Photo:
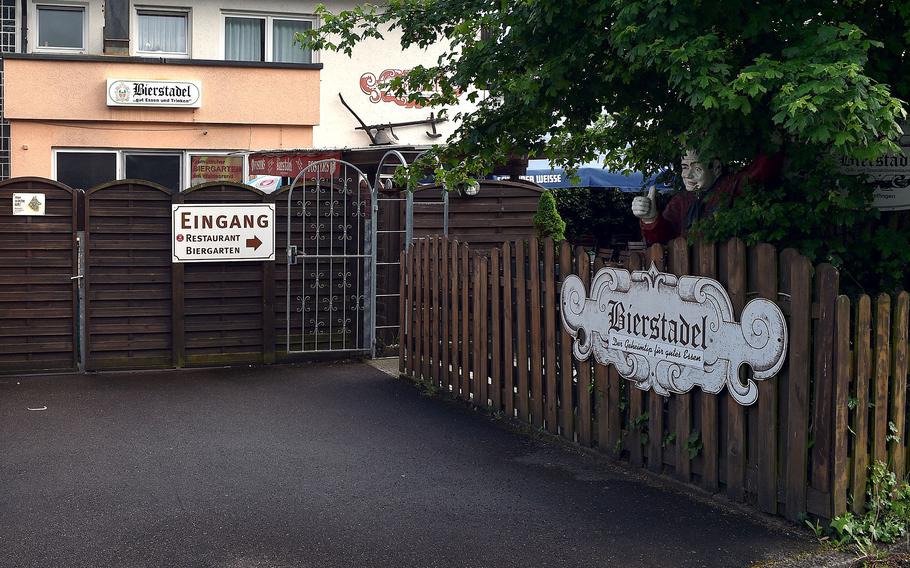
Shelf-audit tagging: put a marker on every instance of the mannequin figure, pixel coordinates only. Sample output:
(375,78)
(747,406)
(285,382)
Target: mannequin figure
(707,187)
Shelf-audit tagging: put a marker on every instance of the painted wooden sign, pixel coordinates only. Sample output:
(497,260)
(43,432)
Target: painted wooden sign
(671,334)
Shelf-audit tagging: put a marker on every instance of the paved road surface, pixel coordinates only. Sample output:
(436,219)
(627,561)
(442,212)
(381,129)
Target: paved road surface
(322,465)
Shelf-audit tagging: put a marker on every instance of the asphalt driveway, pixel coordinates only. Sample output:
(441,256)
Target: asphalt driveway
(323,465)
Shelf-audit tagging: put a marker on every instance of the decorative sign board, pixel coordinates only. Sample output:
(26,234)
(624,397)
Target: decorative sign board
(291,164)
(222,232)
(671,333)
(28,204)
(888,175)
(215,168)
(179,94)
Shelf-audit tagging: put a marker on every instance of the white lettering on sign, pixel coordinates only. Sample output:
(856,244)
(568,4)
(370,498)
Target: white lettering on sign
(671,334)
(222,232)
(123,92)
(29,204)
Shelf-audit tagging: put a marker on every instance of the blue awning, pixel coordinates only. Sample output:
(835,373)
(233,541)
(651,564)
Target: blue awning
(592,177)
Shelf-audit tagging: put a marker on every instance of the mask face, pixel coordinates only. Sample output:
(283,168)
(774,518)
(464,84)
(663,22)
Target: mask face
(696,175)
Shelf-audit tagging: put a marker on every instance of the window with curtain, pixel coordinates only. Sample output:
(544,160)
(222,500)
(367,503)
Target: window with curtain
(244,39)
(284,49)
(61,27)
(162,32)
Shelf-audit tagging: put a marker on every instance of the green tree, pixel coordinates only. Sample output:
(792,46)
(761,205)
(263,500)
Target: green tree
(547,221)
(637,80)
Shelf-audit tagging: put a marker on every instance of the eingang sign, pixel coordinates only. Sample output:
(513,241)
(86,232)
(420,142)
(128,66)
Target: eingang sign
(222,232)
(179,94)
(671,333)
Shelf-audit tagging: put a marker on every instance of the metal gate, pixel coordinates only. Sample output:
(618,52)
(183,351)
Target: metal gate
(331,274)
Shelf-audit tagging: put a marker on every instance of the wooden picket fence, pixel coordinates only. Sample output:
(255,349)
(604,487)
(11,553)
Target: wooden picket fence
(487,328)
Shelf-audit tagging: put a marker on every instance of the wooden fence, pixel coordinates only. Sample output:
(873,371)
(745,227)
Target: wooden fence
(487,329)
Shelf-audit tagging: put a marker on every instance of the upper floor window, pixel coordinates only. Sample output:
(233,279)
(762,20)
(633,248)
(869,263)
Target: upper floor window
(162,32)
(61,27)
(265,38)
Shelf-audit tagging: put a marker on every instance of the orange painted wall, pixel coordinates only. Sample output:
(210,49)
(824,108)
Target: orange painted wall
(75,90)
(32,141)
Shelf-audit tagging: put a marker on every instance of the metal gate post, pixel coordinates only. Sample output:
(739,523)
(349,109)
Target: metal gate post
(80,298)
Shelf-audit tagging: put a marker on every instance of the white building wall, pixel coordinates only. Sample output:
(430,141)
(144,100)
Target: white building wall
(341,74)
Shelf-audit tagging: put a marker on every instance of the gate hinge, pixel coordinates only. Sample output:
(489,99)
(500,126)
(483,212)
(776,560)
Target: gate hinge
(292,254)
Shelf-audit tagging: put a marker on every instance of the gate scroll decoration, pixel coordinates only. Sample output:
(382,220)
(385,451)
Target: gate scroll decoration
(671,334)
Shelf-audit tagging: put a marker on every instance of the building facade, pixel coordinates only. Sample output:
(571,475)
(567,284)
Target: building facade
(182,93)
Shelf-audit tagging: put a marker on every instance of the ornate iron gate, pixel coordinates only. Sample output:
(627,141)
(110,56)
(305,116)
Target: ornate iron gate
(331,236)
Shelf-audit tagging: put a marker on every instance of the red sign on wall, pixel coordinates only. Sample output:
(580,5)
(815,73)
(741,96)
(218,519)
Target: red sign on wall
(289,165)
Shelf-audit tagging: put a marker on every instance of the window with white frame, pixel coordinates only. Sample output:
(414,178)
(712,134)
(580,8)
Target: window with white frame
(162,32)
(250,37)
(60,27)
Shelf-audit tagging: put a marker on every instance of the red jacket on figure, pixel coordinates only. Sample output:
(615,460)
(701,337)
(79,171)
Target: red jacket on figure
(677,217)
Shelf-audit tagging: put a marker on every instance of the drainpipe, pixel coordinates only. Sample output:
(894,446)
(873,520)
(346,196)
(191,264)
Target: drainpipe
(117,27)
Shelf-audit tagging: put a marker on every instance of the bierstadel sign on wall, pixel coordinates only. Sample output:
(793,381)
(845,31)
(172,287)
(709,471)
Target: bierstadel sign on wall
(149,93)
(672,333)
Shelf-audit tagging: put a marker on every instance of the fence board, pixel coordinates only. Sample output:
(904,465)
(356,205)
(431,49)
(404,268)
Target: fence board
(508,330)
(583,392)
(798,384)
(882,372)
(521,330)
(419,313)
(679,265)
(483,337)
(655,401)
(710,423)
(434,335)
(454,375)
(862,347)
(536,396)
(766,280)
(496,362)
(823,432)
(476,350)
(446,309)
(403,306)
(550,323)
(601,391)
(566,405)
(840,460)
(426,251)
(899,383)
(412,311)
(465,323)
(736,416)
(637,406)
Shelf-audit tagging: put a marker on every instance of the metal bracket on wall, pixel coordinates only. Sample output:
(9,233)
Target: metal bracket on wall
(373,130)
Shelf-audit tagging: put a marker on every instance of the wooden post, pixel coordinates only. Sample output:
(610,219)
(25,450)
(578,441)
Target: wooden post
(736,415)
(797,452)
(882,371)
(840,460)
(583,266)
(521,330)
(496,362)
(766,270)
(508,387)
(679,265)
(899,383)
(655,401)
(536,397)
(550,330)
(824,433)
(862,347)
(566,403)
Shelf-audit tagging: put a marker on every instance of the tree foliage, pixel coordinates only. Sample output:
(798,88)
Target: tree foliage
(637,80)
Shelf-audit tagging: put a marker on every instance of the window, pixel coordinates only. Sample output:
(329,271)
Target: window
(162,32)
(84,170)
(163,169)
(61,28)
(265,38)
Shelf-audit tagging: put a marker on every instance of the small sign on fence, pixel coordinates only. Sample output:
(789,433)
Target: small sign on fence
(28,204)
(671,334)
(222,232)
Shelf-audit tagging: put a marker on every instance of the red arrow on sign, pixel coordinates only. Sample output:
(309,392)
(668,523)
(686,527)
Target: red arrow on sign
(253,243)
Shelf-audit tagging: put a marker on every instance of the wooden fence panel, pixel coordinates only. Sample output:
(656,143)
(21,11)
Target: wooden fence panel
(637,408)
(823,430)
(882,360)
(521,331)
(483,337)
(477,374)
(402,313)
(840,459)
(898,411)
(456,338)
(446,308)
(464,255)
(128,289)
(766,272)
(708,404)
(496,361)
(655,401)
(38,261)
(435,336)
(583,387)
(679,264)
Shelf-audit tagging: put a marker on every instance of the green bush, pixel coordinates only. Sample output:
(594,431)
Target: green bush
(547,221)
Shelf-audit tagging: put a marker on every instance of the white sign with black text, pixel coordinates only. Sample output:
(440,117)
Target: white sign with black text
(671,334)
(29,204)
(129,93)
(222,232)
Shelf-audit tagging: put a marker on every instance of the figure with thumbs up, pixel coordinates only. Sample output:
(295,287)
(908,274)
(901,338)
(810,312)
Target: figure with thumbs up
(707,187)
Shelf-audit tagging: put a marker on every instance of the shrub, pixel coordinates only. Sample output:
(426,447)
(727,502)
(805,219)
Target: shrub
(547,221)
